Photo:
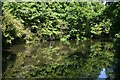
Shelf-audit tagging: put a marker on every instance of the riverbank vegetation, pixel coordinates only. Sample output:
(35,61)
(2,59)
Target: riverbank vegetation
(35,21)
(63,39)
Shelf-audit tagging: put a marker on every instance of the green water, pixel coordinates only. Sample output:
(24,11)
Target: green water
(54,59)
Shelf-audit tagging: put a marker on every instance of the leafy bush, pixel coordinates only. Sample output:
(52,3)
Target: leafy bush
(57,20)
(61,20)
(12,29)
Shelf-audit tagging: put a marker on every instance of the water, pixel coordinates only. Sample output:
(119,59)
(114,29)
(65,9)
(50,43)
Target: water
(54,59)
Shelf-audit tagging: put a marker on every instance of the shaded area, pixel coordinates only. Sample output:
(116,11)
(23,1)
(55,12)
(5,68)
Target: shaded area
(117,56)
(7,59)
(112,12)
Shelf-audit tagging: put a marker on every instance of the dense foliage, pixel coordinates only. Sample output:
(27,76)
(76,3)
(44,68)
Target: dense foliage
(36,21)
(112,12)
(59,20)
(11,28)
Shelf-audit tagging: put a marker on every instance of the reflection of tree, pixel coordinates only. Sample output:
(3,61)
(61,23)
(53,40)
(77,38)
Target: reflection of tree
(81,62)
(117,56)
(62,60)
(8,59)
(99,57)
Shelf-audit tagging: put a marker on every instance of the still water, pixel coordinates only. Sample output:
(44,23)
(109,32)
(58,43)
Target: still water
(54,59)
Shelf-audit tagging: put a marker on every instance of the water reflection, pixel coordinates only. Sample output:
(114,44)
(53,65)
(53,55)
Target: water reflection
(117,59)
(62,60)
(7,58)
